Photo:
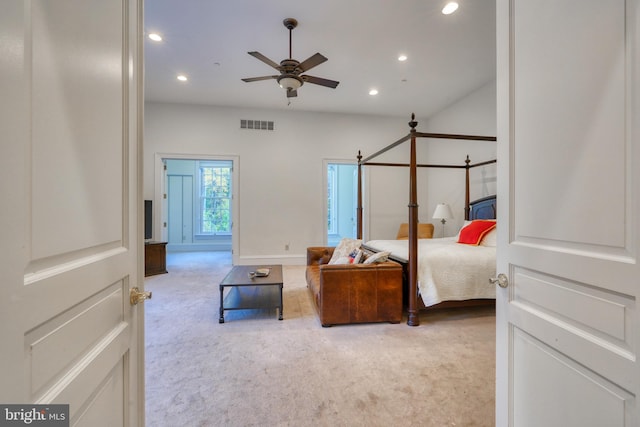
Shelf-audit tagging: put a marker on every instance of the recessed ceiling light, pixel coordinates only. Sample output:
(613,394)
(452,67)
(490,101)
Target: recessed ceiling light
(402,58)
(373,92)
(155,37)
(182,77)
(450,8)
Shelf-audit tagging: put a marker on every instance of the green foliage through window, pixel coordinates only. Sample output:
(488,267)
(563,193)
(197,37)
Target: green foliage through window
(215,198)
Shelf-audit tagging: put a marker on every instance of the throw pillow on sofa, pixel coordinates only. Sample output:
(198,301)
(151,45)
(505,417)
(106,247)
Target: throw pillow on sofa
(377,257)
(344,248)
(353,258)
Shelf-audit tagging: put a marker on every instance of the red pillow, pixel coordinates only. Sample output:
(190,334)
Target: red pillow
(473,233)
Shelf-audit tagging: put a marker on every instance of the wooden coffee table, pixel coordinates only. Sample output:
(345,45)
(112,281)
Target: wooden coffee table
(247,292)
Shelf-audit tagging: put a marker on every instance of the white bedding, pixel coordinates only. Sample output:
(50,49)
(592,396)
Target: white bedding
(447,270)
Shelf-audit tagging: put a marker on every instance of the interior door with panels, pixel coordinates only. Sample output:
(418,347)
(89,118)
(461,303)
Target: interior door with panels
(569,212)
(180,203)
(71,114)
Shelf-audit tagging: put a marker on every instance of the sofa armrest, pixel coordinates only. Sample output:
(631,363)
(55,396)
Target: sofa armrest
(317,255)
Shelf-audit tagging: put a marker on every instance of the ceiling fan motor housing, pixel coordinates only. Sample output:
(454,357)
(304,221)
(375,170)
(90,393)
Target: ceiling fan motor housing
(290,66)
(290,79)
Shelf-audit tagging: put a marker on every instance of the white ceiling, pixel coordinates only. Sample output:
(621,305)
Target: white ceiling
(208,40)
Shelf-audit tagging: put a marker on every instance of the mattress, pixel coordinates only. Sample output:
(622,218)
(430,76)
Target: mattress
(447,270)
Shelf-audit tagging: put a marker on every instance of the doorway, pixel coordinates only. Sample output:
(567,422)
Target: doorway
(198,208)
(341,179)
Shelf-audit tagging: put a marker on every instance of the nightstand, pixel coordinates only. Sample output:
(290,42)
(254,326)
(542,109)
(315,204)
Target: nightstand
(155,258)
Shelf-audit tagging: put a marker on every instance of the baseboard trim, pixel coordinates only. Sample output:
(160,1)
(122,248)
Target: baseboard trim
(272,259)
(196,247)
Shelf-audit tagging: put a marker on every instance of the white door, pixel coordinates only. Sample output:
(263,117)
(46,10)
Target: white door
(568,326)
(71,208)
(180,202)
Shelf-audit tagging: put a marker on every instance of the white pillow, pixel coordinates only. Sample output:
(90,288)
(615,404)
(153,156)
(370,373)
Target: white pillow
(353,258)
(490,239)
(377,257)
(344,248)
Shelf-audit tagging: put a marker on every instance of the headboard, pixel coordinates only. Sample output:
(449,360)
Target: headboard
(484,208)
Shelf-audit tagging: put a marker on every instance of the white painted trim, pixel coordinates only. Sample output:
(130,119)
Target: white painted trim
(194,247)
(300,259)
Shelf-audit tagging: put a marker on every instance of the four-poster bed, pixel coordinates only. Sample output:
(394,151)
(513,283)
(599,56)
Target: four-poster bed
(483,208)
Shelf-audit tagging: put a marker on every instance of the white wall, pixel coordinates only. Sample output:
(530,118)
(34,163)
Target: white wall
(473,115)
(280,172)
(280,176)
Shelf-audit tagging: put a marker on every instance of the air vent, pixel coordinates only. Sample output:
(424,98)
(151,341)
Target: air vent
(256,124)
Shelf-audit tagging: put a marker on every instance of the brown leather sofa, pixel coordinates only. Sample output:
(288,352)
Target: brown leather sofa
(353,293)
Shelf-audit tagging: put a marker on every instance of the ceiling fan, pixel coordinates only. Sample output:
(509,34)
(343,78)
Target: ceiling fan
(291,77)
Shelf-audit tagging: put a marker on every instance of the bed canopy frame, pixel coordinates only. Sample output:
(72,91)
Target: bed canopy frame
(413,166)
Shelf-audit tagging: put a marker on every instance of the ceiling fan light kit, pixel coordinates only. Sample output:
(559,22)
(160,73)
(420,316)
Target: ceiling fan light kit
(291,70)
(290,82)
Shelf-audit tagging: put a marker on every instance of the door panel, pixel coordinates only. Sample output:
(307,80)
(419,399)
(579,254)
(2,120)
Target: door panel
(554,47)
(187,209)
(568,135)
(106,407)
(64,65)
(174,196)
(533,399)
(72,207)
(64,338)
(180,209)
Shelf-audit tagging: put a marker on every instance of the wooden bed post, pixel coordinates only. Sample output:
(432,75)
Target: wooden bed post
(413,319)
(412,262)
(466,192)
(359,207)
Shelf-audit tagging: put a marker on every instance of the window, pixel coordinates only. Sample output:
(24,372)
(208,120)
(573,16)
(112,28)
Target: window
(215,197)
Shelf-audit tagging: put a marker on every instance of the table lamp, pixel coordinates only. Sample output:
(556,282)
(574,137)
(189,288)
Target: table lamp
(443,213)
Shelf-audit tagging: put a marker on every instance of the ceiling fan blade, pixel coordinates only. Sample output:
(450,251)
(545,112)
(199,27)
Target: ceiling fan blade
(264,59)
(292,93)
(255,79)
(320,81)
(311,62)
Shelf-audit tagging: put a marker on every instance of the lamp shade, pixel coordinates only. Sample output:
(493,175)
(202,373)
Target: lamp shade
(443,211)
(289,83)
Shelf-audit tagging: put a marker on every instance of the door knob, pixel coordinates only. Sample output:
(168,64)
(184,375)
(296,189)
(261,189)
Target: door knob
(135,296)
(502,280)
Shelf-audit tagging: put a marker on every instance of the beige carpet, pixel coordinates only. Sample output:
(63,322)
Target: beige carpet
(254,370)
